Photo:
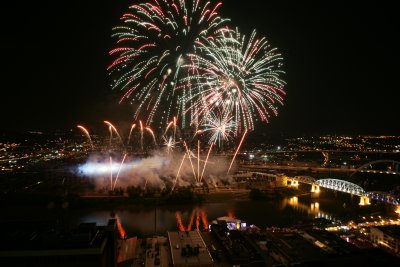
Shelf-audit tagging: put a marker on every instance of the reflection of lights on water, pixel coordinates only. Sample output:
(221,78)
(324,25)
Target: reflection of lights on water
(314,207)
(197,217)
(293,200)
(230,213)
(397,209)
(121,229)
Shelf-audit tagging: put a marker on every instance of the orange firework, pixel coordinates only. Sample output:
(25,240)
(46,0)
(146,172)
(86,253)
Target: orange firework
(130,132)
(115,130)
(86,132)
(152,134)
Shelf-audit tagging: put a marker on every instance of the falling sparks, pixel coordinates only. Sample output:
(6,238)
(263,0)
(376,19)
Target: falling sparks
(237,150)
(86,132)
(113,128)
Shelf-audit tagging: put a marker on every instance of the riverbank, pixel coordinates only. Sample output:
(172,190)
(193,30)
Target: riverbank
(182,196)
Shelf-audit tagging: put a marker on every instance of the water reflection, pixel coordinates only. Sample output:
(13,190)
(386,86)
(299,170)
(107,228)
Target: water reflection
(312,209)
(278,212)
(198,215)
(121,229)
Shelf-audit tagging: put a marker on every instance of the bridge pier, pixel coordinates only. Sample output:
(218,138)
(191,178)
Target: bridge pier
(315,190)
(282,180)
(364,201)
(293,183)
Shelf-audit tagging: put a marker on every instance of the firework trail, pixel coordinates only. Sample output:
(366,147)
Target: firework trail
(190,160)
(179,170)
(152,134)
(205,163)
(141,135)
(112,127)
(239,75)
(111,174)
(130,132)
(119,170)
(171,123)
(86,132)
(174,128)
(198,159)
(237,150)
(152,43)
(111,131)
(168,126)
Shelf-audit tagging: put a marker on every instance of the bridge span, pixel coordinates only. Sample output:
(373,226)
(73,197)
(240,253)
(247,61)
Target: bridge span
(332,184)
(345,187)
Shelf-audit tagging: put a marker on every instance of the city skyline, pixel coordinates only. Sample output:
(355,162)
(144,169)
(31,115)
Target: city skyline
(339,62)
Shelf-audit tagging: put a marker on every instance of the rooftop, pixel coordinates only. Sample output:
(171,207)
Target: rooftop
(188,249)
(45,238)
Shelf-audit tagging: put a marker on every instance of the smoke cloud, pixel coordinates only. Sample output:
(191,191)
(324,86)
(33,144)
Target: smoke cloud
(157,170)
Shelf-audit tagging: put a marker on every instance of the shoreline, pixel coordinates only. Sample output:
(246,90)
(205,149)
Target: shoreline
(75,201)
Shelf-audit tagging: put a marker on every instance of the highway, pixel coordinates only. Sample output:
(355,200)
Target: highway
(294,168)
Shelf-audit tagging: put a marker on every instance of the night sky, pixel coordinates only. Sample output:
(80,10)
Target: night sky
(341,63)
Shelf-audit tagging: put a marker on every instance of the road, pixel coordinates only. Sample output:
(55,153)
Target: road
(293,168)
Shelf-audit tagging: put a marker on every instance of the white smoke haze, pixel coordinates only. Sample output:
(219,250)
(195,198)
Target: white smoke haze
(156,170)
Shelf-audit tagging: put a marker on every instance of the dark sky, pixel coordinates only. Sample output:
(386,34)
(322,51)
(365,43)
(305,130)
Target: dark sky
(341,63)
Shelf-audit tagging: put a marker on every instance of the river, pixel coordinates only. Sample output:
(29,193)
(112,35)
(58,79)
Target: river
(280,213)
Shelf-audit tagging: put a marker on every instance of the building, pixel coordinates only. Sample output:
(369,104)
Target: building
(157,252)
(236,246)
(260,179)
(386,236)
(42,244)
(189,249)
(313,247)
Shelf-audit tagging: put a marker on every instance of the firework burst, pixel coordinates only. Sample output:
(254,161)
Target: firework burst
(241,76)
(152,44)
(221,127)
